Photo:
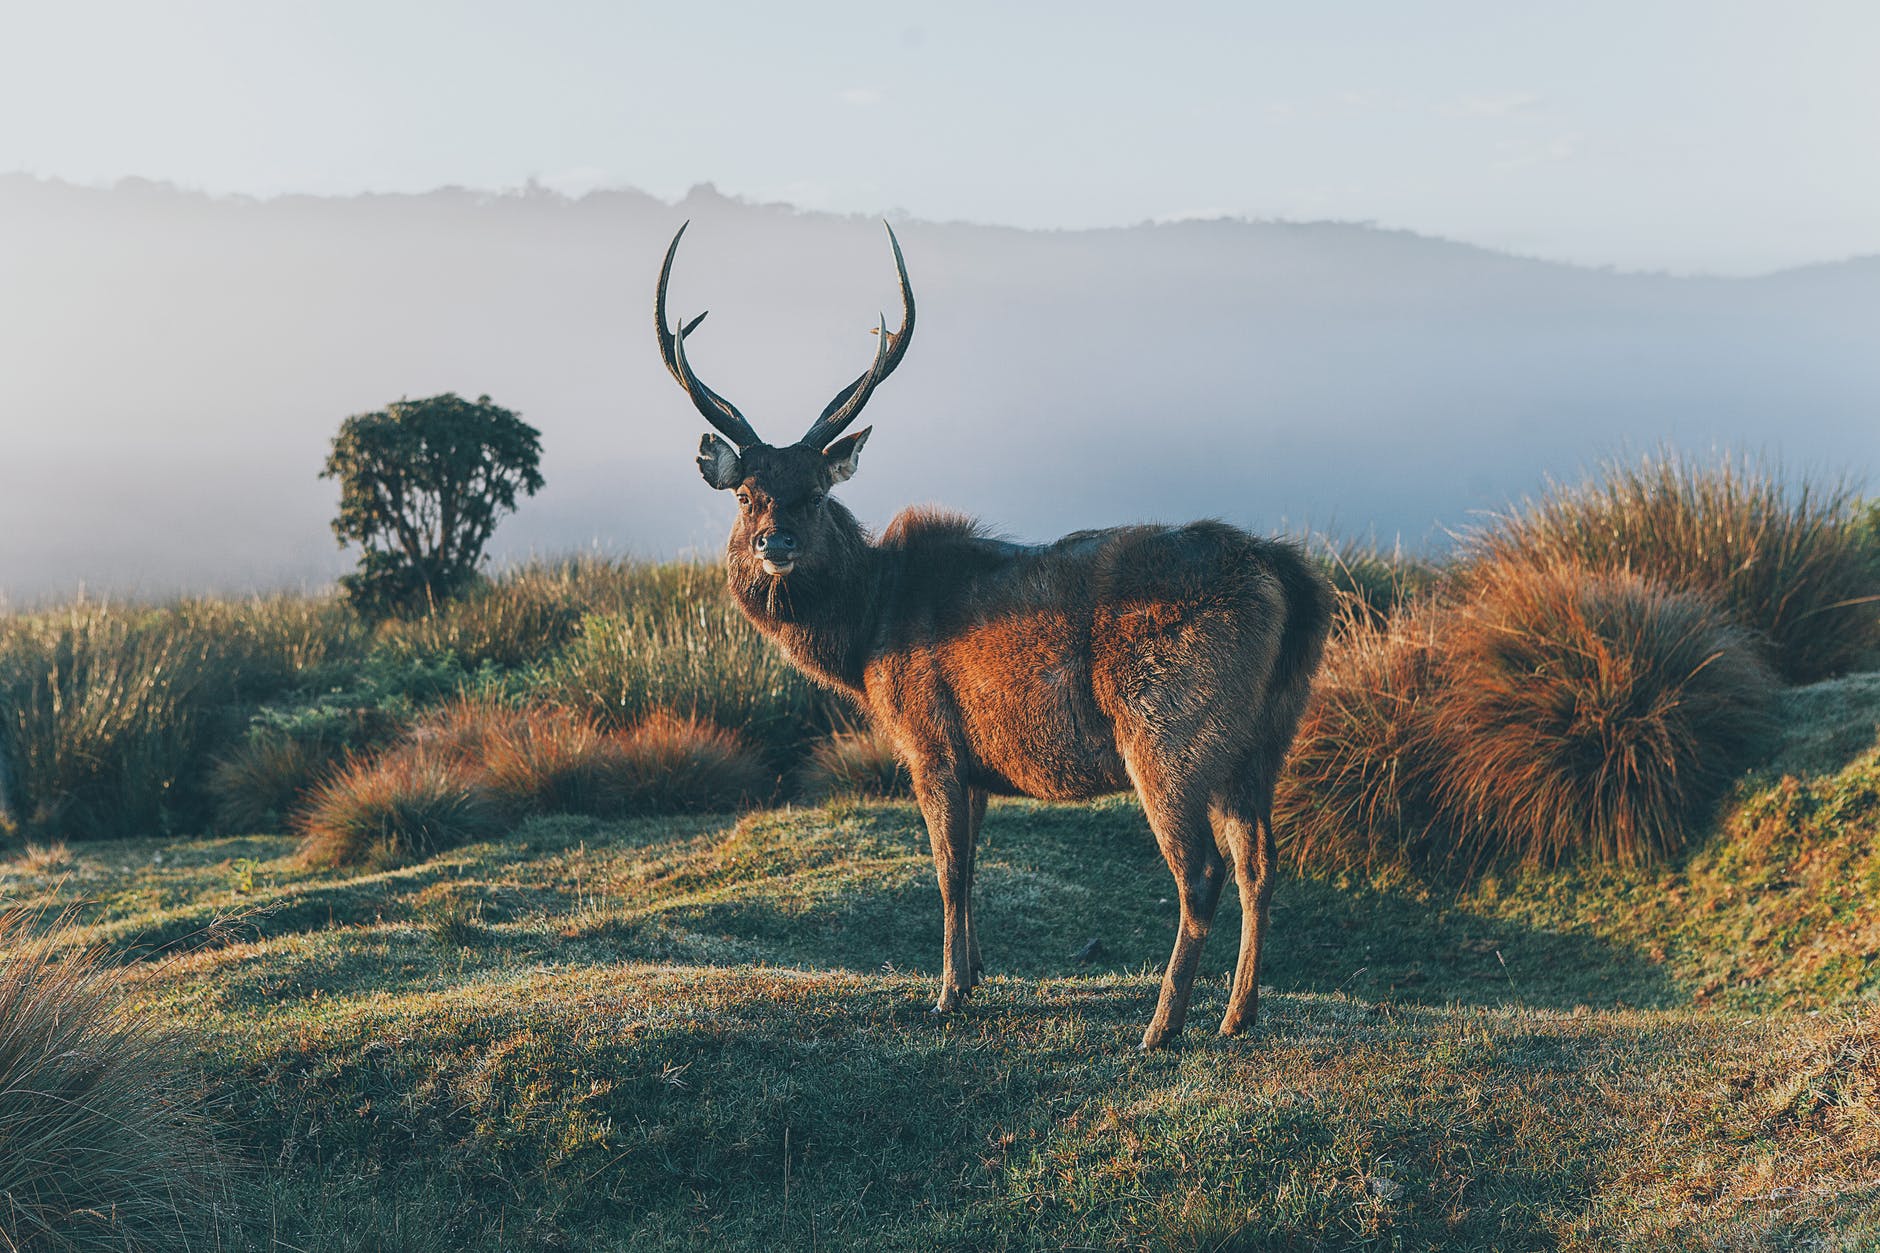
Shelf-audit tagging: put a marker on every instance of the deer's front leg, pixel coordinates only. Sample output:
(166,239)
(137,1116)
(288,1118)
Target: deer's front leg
(947,808)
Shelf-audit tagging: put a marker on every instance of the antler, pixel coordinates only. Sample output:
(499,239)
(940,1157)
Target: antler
(888,353)
(718,411)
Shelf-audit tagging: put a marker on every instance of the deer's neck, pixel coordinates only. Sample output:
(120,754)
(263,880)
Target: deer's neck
(824,616)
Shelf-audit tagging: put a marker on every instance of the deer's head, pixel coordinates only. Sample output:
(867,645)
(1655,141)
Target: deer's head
(782,492)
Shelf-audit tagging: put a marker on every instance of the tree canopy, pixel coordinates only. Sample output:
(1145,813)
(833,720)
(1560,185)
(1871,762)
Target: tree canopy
(423,484)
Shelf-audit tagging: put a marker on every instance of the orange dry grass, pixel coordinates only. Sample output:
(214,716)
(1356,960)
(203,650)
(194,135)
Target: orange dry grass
(854,763)
(688,764)
(1356,791)
(550,760)
(408,803)
(1587,713)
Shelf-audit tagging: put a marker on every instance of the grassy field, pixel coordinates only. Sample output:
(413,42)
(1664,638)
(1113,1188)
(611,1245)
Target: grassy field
(713,1032)
(444,930)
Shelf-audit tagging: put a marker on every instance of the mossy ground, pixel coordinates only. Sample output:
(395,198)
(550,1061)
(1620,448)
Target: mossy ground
(713,1031)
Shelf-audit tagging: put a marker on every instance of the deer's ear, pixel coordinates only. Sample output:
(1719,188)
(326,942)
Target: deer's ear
(718,462)
(840,456)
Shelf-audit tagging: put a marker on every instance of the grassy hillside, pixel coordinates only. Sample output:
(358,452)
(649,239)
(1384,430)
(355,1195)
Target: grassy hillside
(712,1031)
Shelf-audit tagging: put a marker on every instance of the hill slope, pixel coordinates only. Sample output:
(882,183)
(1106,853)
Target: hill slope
(713,1032)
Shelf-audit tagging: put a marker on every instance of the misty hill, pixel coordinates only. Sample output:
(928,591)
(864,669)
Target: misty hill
(172,365)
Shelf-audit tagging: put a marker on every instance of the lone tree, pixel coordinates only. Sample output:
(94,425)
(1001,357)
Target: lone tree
(422,485)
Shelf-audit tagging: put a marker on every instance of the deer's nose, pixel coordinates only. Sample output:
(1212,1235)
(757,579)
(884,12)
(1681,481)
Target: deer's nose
(776,544)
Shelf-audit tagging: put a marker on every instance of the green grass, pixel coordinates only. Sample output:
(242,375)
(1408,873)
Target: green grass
(598,1034)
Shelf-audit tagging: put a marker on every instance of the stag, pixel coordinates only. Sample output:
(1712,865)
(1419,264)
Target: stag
(1175,660)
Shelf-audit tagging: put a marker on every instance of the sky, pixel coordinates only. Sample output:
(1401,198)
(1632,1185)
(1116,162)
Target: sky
(1691,137)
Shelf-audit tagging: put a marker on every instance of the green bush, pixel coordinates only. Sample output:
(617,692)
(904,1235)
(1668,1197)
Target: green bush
(699,658)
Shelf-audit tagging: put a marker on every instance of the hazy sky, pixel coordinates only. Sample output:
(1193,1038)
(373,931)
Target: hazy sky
(1703,136)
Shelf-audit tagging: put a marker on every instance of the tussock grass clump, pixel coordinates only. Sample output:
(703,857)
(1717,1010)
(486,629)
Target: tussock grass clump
(108,715)
(101,1143)
(700,657)
(854,763)
(1356,791)
(403,805)
(47,859)
(520,618)
(103,710)
(682,764)
(549,761)
(1586,713)
(543,759)
(1791,562)
(260,784)
(1373,583)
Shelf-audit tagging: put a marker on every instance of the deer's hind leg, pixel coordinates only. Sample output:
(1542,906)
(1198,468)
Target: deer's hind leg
(975,815)
(1243,824)
(1178,814)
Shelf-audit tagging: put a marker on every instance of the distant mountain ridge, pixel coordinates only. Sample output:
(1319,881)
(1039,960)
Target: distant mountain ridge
(172,364)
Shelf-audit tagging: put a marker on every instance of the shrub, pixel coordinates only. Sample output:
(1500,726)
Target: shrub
(1579,712)
(1790,562)
(101,1143)
(422,484)
(404,805)
(854,763)
(1356,791)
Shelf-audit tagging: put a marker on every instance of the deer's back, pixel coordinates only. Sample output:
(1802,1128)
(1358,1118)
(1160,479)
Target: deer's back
(1038,669)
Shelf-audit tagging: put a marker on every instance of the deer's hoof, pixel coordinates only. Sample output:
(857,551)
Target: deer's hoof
(950,1000)
(1156,1038)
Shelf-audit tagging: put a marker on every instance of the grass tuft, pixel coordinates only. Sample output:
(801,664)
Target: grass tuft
(1794,562)
(47,859)
(101,1144)
(404,805)
(260,784)
(681,764)
(1356,791)
(1583,713)
(854,763)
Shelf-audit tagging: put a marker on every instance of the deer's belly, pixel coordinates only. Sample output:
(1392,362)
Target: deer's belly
(1037,731)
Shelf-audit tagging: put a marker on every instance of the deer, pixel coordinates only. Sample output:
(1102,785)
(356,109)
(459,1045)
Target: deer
(1173,660)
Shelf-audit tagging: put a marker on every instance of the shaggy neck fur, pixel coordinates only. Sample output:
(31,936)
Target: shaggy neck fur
(824,612)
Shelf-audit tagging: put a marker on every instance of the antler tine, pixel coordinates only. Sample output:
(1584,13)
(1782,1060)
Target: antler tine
(718,411)
(888,353)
